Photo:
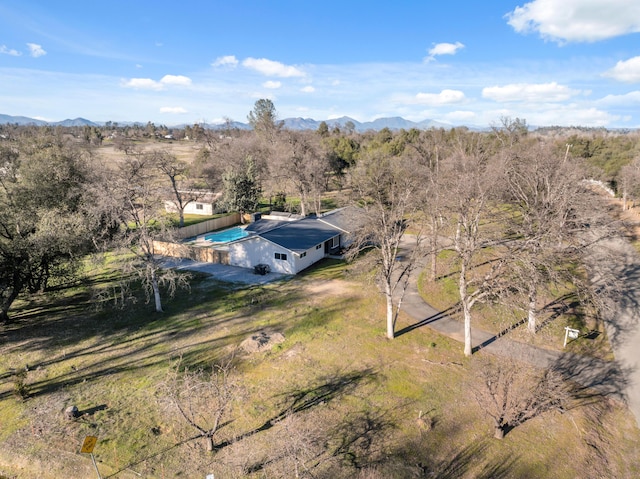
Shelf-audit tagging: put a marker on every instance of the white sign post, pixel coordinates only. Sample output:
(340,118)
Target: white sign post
(570,334)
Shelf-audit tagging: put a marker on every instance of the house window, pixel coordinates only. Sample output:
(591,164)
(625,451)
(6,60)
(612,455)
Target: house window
(281,256)
(302,255)
(319,246)
(199,206)
(335,242)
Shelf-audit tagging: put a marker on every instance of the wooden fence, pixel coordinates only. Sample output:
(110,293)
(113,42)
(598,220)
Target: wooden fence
(206,226)
(197,253)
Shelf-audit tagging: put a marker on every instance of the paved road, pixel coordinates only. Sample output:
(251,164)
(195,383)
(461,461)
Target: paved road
(616,267)
(619,379)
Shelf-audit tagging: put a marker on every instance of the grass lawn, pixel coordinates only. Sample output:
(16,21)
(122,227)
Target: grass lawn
(335,399)
(443,294)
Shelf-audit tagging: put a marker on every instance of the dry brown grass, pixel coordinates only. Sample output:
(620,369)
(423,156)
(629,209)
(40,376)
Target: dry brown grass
(183,150)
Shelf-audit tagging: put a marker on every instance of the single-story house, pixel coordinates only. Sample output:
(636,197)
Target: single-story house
(290,245)
(202,203)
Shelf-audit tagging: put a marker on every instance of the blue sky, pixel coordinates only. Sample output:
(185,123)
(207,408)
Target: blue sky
(551,62)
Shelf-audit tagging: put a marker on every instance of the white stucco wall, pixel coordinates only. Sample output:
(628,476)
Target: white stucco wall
(252,251)
(191,208)
(313,256)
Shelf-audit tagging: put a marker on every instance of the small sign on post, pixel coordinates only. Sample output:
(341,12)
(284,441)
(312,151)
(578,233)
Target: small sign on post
(570,333)
(87,448)
(88,444)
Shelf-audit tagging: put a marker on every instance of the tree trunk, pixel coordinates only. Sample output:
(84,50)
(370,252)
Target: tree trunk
(209,443)
(434,253)
(4,316)
(498,432)
(532,312)
(181,211)
(303,206)
(389,297)
(6,300)
(466,310)
(156,292)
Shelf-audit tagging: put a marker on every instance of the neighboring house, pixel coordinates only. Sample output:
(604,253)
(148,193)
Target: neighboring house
(289,246)
(204,203)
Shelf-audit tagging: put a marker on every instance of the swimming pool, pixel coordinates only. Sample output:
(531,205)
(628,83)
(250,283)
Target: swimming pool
(226,236)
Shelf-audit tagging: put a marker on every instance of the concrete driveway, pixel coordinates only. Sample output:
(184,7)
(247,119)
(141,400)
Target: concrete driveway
(222,272)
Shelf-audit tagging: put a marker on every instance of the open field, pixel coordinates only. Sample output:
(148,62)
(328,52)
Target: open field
(183,150)
(335,395)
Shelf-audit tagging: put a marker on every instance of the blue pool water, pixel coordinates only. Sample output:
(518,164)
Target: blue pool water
(226,236)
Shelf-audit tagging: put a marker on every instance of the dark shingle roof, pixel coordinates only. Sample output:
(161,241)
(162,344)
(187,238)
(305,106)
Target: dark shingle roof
(347,219)
(302,235)
(263,225)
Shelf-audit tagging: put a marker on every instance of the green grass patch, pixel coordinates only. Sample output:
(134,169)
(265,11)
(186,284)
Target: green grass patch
(335,378)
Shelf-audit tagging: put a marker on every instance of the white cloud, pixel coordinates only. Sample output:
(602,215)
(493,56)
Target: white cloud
(179,80)
(308,89)
(571,115)
(529,92)
(9,51)
(227,60)
(445,97)
(150,84)
(627,71)
(272,68)
(272,85)
(173,109)
(444,49)
(577,20)
(142,84)
(36,50)
(625,100)
(460,115)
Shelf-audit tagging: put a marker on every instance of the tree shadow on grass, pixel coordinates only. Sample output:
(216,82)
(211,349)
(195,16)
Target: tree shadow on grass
(593,379)
(300,400)
(427,458)
(295,402)
(119,340)
(431,319)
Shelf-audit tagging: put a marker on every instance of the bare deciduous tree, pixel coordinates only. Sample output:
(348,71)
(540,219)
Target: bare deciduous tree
(430,151)
(511,393)
(472,185)
(386,189)
(130,197)
(629,183)
(549,204)
(183,189)
(306,165)
(201,399)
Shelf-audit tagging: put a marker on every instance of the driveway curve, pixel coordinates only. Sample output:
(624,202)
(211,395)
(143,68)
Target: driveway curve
(619,379)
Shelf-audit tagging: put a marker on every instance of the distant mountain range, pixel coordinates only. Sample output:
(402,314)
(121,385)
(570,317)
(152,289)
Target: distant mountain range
(394,123)
(23,120)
